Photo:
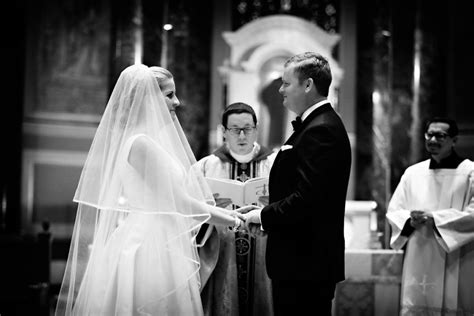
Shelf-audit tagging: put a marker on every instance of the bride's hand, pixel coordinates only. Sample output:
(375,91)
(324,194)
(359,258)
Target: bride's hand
(247,208)
(235,213)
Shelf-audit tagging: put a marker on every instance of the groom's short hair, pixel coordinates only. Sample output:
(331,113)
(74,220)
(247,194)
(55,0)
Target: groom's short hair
(237,108)
(315,66)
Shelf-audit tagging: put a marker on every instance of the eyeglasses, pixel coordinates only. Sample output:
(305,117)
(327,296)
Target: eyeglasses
(237,130)
(438,136)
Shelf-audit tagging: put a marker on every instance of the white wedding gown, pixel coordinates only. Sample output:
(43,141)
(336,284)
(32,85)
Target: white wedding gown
(143,263)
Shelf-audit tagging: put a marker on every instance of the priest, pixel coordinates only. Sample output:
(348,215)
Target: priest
(234,280)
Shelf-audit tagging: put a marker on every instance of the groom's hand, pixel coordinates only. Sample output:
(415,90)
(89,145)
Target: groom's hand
(253,217)
(255,230)
(252,222)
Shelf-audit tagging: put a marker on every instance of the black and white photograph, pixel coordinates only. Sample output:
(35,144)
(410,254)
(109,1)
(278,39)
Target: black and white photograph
(237,158)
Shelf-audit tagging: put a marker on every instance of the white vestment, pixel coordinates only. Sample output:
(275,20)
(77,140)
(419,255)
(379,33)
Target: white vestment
(234,264)
(438,270)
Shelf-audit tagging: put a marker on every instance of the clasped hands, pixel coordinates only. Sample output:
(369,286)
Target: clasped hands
(250,219)
(419,218)
(248,215)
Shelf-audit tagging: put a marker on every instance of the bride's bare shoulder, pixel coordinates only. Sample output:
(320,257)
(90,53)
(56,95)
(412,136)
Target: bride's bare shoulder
(144,147)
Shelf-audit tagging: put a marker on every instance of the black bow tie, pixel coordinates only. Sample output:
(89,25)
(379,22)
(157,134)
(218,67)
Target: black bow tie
(297,122)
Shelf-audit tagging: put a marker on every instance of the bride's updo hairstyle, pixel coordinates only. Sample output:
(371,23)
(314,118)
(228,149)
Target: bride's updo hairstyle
(161,74)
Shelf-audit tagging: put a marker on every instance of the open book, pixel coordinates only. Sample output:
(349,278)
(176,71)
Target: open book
(241,193)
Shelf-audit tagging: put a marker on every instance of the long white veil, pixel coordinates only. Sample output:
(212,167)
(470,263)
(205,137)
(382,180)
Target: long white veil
(133,246)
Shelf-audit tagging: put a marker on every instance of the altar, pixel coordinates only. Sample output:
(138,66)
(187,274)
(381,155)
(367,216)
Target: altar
(373,275)
(372,285)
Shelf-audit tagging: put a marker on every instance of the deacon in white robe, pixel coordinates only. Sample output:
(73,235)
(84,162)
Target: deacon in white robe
(431,214)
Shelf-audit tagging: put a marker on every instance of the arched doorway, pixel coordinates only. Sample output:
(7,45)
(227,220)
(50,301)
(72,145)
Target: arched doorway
(258,51)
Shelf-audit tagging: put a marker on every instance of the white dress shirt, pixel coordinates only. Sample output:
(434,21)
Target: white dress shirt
(312,108)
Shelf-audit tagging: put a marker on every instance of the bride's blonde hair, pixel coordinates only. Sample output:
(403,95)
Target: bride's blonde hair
(161,74)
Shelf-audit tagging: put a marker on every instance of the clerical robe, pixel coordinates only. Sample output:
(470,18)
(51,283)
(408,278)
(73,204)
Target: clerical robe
(438,269)
(233,274)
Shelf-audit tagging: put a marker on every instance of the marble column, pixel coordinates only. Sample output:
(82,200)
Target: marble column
(125,21)
(419,80)
(382,101)
(432,25)
(189,60)
(405,91)
(12,114)
(402,72)
(374,104)
(185,50)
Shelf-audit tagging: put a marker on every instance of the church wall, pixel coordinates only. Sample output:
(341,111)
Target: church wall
(219,52)
(189,59)
(411,65)
(75,52)
(12,115)
(72,53)
(460,68)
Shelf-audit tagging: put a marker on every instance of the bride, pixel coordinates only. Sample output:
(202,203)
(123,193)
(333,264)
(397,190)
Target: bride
(140,205)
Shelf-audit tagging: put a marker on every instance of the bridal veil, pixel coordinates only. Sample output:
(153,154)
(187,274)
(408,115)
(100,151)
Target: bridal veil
(133,249)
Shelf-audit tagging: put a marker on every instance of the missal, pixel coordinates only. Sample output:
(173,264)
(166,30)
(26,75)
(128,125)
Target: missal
(241,193)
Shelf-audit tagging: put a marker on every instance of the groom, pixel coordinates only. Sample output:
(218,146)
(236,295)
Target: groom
(304,219)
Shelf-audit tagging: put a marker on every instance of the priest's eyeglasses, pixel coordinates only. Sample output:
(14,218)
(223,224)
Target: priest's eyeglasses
(438,136)
(237,130)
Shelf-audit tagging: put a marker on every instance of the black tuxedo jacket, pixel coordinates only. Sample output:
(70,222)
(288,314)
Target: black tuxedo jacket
(305,216)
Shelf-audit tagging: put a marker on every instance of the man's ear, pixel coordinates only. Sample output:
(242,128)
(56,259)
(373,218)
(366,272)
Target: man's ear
(455,139)
(309,83)
(222,129)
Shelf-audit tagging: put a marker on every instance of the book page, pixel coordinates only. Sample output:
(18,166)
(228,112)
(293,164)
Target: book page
(241,193)
(254,188)
(227,188)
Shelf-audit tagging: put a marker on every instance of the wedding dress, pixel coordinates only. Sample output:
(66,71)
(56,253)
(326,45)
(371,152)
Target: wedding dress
(133,249)
(147,265)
